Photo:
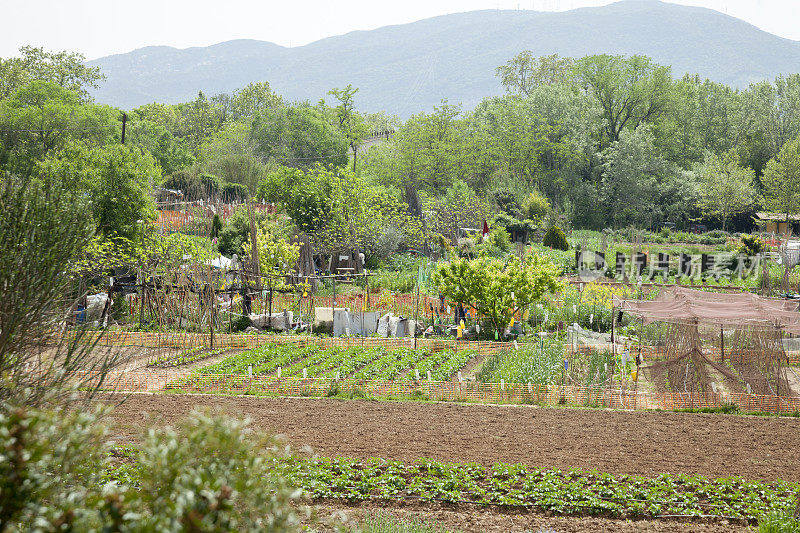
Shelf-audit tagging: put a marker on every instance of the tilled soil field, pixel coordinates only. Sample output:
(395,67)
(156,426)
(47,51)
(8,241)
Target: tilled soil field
(619,442)
(472,518)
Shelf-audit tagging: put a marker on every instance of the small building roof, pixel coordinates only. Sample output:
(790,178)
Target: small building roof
(777,217)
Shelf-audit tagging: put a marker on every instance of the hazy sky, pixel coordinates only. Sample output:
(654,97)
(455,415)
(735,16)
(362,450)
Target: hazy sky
(102,27)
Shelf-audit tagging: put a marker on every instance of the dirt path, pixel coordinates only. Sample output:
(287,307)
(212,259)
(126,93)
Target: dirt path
(620,442)
(471,519)
(472,367)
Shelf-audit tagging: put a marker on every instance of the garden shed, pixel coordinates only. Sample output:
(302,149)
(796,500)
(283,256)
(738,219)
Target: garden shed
(346,262)
(777,223)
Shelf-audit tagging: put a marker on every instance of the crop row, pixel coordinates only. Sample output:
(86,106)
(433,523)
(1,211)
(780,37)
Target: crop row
(570,492)
(371,363)
(184,357)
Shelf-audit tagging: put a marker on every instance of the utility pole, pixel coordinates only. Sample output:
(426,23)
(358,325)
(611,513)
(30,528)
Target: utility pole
(124,120)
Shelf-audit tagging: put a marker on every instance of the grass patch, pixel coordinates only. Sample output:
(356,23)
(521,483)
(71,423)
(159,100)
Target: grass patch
(383,522)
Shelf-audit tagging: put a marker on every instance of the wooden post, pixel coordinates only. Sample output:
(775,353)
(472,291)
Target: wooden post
(722,341)
(613,320)
(416,310)
(364,305)
(254,244)
(212,299)
(269,284)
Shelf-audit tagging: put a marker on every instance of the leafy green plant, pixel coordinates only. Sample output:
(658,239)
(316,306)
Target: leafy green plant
(535,207)
(558,492)
(539,363)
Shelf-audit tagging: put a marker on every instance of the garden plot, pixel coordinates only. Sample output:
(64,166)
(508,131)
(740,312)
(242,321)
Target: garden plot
(617,442)
(332,363)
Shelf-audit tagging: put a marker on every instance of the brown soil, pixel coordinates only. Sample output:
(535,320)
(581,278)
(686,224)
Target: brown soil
(477,519)
(619,442)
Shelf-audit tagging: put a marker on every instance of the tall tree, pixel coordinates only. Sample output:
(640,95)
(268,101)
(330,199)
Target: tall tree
(349,121)
(781,180)
(116,178)
(41,117)
(726,188)
(65,69)
(631,90)
(247,102)
(769,118)
(632,171)
(299,136)
(525,72)
(428,154)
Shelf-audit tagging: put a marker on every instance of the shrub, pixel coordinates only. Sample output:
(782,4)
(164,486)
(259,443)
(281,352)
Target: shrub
(216,226)
(234,192)
(211,475)
(496,288)
(555,239)
(506,200)
(45,237)
(535,206)
(751,245)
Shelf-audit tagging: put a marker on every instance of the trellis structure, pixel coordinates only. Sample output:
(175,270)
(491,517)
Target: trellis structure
(699,342)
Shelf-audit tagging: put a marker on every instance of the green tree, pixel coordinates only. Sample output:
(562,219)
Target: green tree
(200,119)
(726,188)
(299,136)
(276,255)
(65,69)
(117,179)
(171,153)
(42,117)
(252,99)
(428,154)
(349,121)
(518,140)
(771,114)
(497,289)
(632,172)
(782,180)
(232,154)
(525,72)
(630,90)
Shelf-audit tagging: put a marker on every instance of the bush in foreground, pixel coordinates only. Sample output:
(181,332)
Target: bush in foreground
(210,475)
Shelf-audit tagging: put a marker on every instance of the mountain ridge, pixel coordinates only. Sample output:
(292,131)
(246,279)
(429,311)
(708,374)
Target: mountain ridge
(408,68)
